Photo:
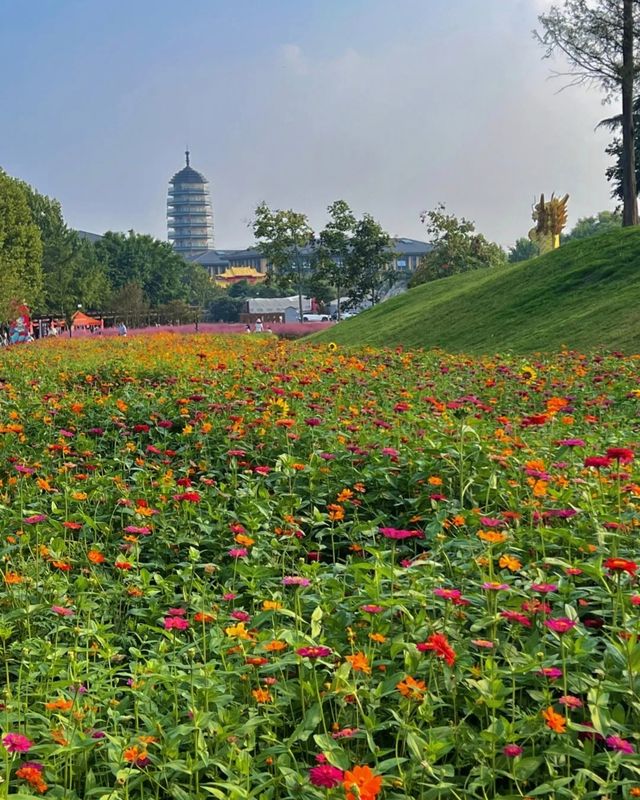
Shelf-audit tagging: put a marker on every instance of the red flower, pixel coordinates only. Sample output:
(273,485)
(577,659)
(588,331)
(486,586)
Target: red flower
(621,565)
(621,454)
(439,644)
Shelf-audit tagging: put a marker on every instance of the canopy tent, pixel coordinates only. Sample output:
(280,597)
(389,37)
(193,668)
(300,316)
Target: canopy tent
(82,320)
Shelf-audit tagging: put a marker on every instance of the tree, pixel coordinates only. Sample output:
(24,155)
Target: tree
(150,263)
(130,303)
(72,274)
(226,308)
(20,249)
(334,247)
(597,39)
(523,250)
(586,227)
(368,262)
(282,235)
(456,248)
(615,172)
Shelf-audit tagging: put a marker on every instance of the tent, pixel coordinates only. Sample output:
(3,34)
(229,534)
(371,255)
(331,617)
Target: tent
(81,320)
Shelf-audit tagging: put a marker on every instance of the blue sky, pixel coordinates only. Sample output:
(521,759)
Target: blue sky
(393,105)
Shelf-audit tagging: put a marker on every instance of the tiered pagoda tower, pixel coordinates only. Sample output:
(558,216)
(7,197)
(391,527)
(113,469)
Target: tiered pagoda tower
(189,212)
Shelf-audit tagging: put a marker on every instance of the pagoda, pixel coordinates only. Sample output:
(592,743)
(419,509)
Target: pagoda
(189,212)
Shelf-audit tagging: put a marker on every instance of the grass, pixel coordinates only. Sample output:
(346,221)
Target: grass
(585,295)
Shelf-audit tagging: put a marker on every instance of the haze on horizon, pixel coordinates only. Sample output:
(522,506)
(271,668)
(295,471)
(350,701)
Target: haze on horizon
(392,105)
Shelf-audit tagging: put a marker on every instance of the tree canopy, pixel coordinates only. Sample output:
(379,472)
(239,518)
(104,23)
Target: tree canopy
(456,248)
(20,249)
(598,39)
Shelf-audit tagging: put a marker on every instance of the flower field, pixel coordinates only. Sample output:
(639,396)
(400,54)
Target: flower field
(248,569)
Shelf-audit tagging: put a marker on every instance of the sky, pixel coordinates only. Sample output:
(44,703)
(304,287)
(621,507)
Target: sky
(391,105)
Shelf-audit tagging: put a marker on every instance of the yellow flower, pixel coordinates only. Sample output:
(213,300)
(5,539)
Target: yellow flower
(237,631)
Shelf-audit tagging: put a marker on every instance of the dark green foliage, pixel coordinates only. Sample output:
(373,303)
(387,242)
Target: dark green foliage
(456,248)
(20,249)
(523,250)
(585,227)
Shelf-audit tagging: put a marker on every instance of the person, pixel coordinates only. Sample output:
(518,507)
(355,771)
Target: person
(259,327)
(122,329)
(247,329)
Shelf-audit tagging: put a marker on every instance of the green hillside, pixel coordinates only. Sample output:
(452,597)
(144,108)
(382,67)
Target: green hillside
(584,295)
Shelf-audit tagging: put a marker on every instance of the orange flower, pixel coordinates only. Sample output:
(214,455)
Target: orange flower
(411,688)
(364,780)
(33,776)
(378,637)
(12,578)
(359,663)
(555,721)
(203,616)
(345,494)
(61,704)
(261,695)
(58,737)
(271,605)
(275,646)
(336,512)
(247,541)
(95,557)
(510,562)
(434,480)
(493,537)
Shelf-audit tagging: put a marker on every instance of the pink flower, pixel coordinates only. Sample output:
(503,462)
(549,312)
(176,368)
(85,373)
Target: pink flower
(295,580)
(622,745)
(624,455)
(34,519)
(175,622)
(570,701)
(16,743)
(62,611)
(512,750)
(516,616)
(177,612)
(448,594)
(140,530)
(560,624)
(229,596)
(241,616)
(494,586)
(238,552)
(396,533)
(553,673)
(314,652)
(544,588)
(325,776)
(373,609)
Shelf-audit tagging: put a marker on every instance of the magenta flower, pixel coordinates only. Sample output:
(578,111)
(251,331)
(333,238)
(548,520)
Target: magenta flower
(491,522)
(325,776)
(314,652)
(34,519)
(553,673)
(241,616)
(177,612)
(512,750)
(571,443)
(560,624)
(16,743)
(238,552)
(516,616)
(295,580)
(494,586)
(448,594)
(371,609)
(140,530)
(397,533)
(544,588)
(622,745)
(177,623)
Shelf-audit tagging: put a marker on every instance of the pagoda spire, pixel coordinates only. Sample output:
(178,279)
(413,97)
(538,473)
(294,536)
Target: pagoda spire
(186,152)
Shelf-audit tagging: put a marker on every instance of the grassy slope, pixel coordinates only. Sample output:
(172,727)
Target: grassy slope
(584,295)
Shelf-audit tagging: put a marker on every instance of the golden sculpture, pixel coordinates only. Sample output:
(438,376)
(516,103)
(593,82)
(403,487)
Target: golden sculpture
(550,218)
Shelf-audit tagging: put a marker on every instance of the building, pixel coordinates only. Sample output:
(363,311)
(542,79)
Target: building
(189,212)
(404,257)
